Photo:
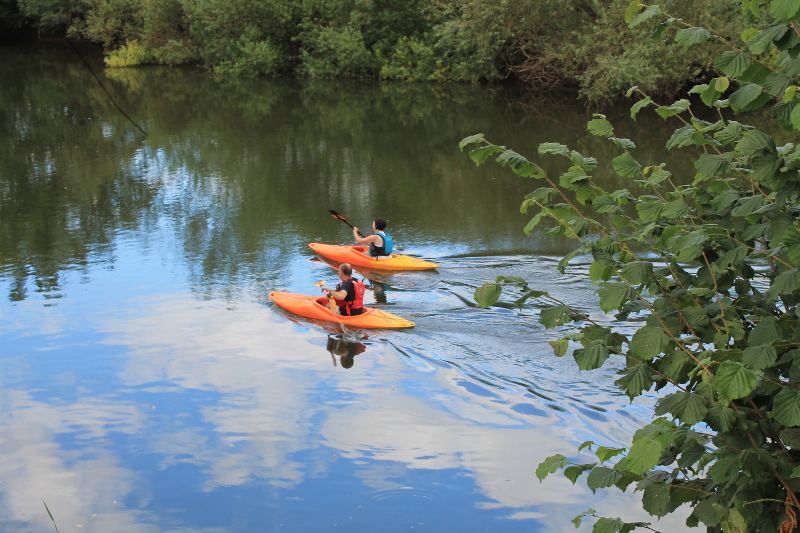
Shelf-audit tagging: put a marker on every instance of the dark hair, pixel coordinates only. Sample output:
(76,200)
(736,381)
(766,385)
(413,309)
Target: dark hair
(347,270)
(380,224)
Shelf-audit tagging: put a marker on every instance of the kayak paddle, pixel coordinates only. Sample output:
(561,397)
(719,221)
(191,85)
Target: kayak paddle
(331,302)
(340,217)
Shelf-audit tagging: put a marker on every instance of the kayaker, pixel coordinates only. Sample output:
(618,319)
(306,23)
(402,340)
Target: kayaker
(349,293)
(380,242)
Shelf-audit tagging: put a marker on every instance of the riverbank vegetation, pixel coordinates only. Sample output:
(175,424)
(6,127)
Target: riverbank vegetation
(547,44)
(703,273)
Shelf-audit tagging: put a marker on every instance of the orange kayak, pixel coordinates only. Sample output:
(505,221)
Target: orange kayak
(355,255)
(317,307)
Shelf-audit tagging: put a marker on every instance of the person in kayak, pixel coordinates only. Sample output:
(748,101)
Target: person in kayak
(380,242)
(349,293)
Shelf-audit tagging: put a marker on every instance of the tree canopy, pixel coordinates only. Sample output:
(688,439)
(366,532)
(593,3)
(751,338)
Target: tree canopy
(707,267)
(574,43)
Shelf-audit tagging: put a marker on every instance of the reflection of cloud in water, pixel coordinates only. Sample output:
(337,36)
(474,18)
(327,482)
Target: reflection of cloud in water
(81,487)
(276,394)
(267,415)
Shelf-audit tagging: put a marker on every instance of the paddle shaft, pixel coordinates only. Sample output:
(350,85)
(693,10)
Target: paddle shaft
(340,217)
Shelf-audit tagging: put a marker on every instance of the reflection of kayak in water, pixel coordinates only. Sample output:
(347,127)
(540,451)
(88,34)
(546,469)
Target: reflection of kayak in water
(355,256)
(317,307)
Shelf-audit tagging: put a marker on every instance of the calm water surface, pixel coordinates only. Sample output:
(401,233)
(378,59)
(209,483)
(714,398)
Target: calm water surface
(149,385)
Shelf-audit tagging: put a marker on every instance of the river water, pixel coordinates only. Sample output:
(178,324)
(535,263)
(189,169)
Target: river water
(148,383)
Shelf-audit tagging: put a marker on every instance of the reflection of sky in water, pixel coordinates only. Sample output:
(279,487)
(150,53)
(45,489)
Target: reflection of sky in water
(147,383)
(138,407)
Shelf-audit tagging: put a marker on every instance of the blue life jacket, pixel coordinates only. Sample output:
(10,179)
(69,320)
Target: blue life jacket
(386,249)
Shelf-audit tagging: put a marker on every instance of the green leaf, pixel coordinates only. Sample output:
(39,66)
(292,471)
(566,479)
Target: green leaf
(533,222)
(689,36)
(765,332)
(600,271)
(591,357)
(630,13)
(600,127)
(644,455)
(625,144)
(574,472)
(795,117)
(748,205)
(648,342)
(602,477)
(487,294)
(555,316)
(658,175)
(786,408)
(656,35)
(784,10)
(638,106)
(638,272)
(650,210)
(608,525)
(756,73)
(722,84)
(724,200)
(777,83)
(472,139)
(733,63)
(614,295)
(687,407)
(647,14)
(761,42)
(554,148)
(681,137)
(676,209)
(766,170)
(759,357)
(788,94)
(784,283)
(559,346)
(675,109)
(734,381)
(637,379)
(480,155)
(578,519)
(746,95)
(755,141)
(720,418)
(626,166)
(550,465)
(604,453)
(730,133)
(519,164)
(734,522)
(656,499)
(712,165)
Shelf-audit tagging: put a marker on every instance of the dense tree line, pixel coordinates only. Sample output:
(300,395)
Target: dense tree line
(546,43)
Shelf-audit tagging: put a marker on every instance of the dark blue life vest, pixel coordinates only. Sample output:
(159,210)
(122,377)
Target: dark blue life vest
(386,249)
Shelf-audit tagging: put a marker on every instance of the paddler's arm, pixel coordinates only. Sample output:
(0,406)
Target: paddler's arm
(368,239)
(336,295)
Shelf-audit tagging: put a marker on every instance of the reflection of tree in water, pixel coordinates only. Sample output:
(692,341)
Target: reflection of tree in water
(243,173)
(345,349)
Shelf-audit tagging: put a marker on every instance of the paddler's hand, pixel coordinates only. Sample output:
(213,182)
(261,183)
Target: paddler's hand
(355,232)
